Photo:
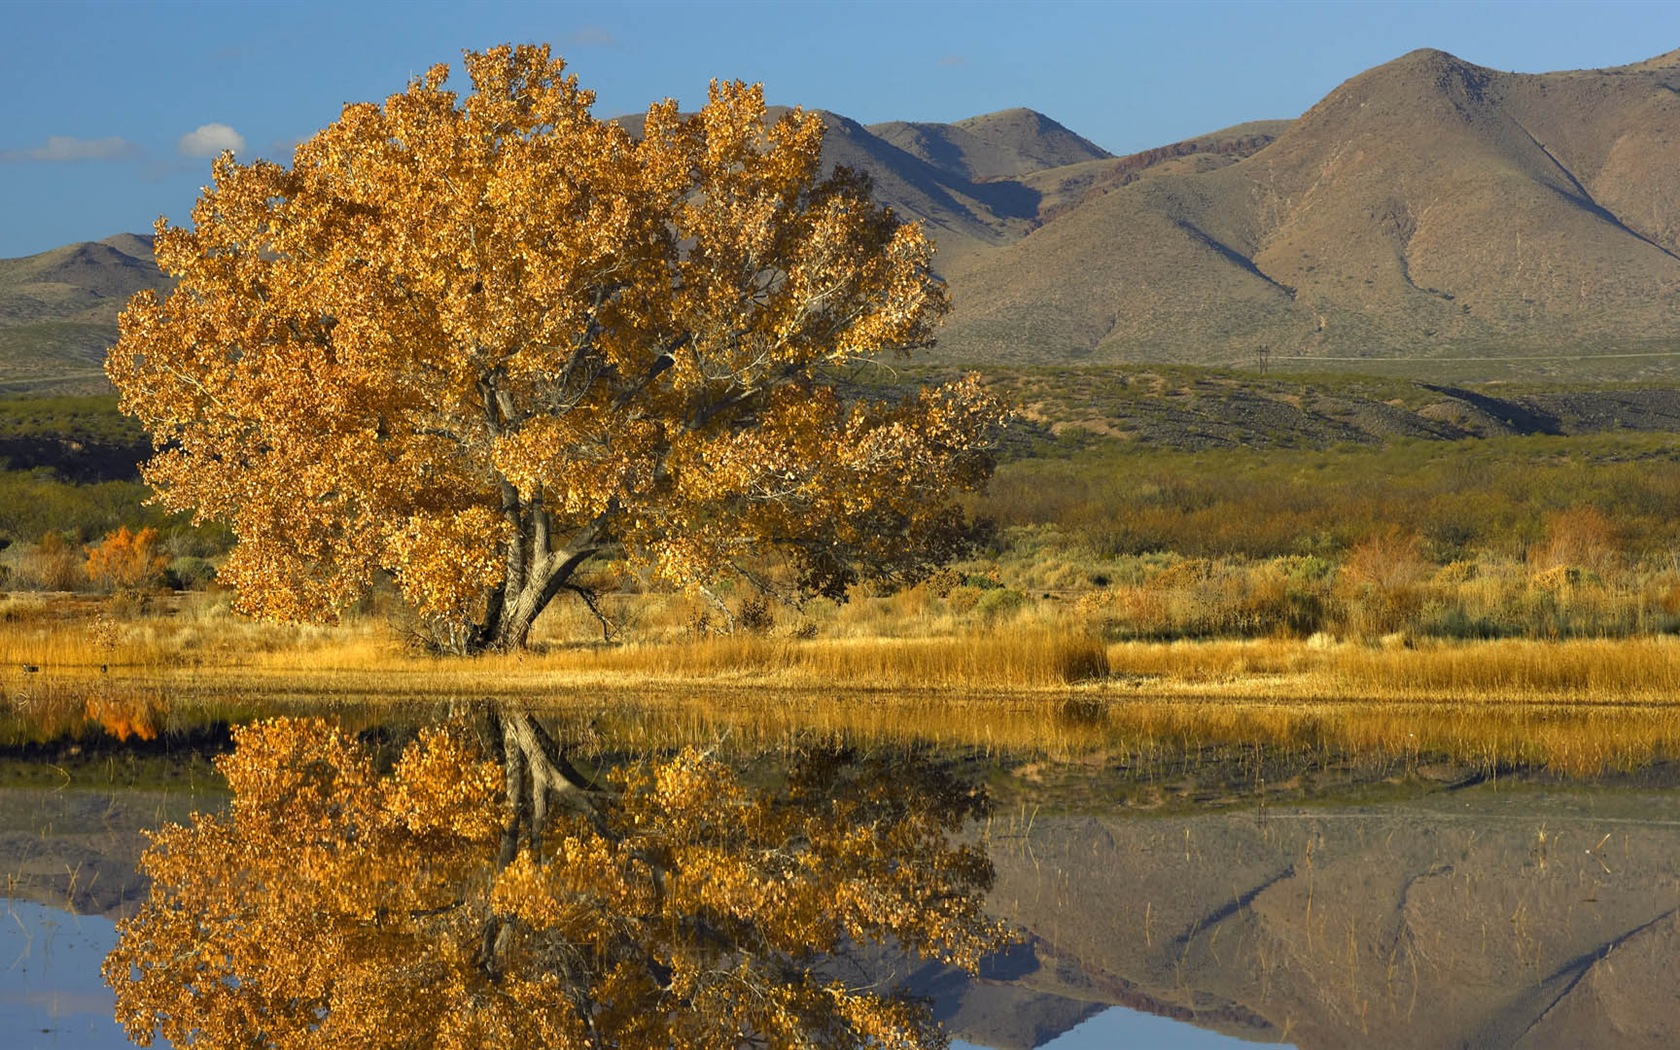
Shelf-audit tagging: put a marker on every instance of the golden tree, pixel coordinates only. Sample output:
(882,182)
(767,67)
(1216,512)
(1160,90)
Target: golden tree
(479,342)
(335,905)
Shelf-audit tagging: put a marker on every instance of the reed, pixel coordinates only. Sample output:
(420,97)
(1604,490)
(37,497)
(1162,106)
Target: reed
(1032,682)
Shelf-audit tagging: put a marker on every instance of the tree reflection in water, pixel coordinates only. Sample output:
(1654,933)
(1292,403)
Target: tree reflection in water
(482,893)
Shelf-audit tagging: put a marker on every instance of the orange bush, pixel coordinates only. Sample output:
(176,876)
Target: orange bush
(1386,561)
(126,560)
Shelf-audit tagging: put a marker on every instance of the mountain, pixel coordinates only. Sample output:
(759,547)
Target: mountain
(1002,145)
(964,181)
(58,311)
(1428,208)
(1429,218)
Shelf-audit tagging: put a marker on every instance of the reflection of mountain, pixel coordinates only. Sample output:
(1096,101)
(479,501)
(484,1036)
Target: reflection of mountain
(1494,914)
(78,849)
(1484,917)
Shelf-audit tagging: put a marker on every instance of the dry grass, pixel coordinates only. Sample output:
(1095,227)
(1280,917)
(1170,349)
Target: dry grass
(1576,705)
(1590,671)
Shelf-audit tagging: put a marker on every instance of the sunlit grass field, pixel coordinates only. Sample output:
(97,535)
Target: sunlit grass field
(1029,682)
(1507,599)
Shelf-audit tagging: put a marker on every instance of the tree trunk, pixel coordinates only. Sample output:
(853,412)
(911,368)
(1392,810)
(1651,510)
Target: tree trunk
(535,576)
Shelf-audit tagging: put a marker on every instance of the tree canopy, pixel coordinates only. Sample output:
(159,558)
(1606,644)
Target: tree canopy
(685,905)
(477,342)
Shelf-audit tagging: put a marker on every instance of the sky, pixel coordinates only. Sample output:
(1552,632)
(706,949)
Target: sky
(113,110)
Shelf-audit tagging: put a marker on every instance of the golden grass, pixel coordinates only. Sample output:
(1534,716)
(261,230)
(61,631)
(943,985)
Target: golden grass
(1578,706)
(1594,671)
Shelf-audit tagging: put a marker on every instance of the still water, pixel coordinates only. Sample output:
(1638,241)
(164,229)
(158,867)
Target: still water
(51,995)
(1203,898)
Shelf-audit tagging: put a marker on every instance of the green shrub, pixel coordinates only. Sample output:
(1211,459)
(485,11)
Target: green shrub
(999,601)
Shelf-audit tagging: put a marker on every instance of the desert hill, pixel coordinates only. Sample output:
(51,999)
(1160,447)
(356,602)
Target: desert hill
(1002,145)
(1430,218)
(1426,208)
(58,310)
(78,282)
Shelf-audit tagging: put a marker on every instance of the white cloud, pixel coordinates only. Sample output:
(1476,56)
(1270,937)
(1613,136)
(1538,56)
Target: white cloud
(210,140)
(62,149)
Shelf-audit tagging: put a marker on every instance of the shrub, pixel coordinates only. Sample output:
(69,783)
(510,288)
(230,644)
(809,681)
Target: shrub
(963,598)
(127,561)
(754,616)
(1386,561)
(1580,537)
(190,574)
(995,603)
(52,565)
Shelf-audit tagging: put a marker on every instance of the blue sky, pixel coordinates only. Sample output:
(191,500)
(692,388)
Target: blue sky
(114,108)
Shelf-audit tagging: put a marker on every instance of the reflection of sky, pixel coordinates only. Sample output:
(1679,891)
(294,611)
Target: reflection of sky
(1118,1028)
(51,994)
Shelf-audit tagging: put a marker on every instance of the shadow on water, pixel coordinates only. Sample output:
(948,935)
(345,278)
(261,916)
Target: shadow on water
(1280,892)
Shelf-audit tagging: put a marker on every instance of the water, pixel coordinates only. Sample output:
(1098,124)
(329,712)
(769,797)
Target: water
(50,991)
(1515,914)
(1173,903)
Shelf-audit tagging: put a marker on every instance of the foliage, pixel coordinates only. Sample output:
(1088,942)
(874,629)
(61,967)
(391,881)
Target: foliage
(81,439)
(1495,496)
(35,502)
(127,561)
(52,565)
(336,905)
(479,342)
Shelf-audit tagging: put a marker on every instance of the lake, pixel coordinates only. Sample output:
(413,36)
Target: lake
(1184,894)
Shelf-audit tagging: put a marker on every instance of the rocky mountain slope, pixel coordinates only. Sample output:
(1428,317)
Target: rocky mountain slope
(1427,215)
(1428,208)
(58,311)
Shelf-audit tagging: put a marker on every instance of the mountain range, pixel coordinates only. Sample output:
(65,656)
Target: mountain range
(1428,208)
(1426,215)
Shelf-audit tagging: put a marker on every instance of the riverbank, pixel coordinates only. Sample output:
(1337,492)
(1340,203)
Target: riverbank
(1576,705)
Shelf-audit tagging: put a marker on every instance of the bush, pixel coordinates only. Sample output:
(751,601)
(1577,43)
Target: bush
(999,601)
(964,598)
(1581,538)
(190,574)
(754,616)
(127,561)
(51,565)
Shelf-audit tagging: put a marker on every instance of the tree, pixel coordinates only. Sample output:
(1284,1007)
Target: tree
(336,905)
(478,343)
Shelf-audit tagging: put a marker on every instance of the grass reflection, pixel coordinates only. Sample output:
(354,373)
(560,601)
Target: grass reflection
(1581,706)
(1572,739)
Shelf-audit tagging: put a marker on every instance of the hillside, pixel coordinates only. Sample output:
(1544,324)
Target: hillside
(1429,218)
(58,311)
(1428,208)
(1192,409)
(968,181)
